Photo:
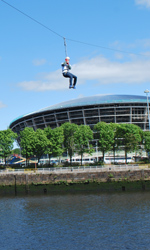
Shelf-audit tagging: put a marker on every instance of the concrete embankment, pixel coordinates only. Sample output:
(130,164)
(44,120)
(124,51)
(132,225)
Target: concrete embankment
(53,182)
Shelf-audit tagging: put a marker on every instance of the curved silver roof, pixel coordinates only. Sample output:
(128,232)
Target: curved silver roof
(92,100)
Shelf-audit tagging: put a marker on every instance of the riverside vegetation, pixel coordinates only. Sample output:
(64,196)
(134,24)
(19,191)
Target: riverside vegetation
(75,138)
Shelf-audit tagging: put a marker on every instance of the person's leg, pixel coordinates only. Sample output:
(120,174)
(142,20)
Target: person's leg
(69,75)
(75,80)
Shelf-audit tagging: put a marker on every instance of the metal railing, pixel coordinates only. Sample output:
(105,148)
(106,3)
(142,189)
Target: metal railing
(74,169)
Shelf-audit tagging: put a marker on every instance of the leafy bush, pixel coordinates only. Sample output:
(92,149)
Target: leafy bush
(110,175)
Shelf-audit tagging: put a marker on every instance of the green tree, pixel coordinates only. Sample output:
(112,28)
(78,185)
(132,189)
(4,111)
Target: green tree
(105,135)
(40,143)
(49,134)
(146,142)
(114,142)
(7,138)
(16,151)
(83,135)
(55,140)
(27,138)
(58,139)
(128,136)
(69,138)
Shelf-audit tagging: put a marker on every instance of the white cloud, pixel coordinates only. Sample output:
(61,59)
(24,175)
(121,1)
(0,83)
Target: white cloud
(146,3)
(119,55)
(2,105)
(97,69)
(105,71)
(51,81)
(139,44)
(38,62)
(81,96)
(146,43)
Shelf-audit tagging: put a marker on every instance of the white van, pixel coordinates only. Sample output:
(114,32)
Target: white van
(2,162)
(84,160)
(118,159)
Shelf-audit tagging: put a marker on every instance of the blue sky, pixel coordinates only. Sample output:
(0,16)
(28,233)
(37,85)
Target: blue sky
(31,55)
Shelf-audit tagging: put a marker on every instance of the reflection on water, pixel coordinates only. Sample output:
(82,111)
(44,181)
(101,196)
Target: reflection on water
(81,221)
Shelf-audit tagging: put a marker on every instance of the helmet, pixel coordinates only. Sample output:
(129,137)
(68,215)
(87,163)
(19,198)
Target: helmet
(67,58)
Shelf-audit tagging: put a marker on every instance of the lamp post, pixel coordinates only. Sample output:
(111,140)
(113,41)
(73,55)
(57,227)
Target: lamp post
(146,92)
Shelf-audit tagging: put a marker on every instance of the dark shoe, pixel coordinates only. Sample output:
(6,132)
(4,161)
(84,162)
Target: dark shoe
(74,87)
(70,86)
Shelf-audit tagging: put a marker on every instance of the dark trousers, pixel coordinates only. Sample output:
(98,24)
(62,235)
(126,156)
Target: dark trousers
(71,76)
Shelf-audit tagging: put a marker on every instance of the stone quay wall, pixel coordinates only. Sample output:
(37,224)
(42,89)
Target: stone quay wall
(29,178)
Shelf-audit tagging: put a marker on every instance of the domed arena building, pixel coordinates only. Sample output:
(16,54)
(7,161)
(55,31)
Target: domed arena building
(88,111)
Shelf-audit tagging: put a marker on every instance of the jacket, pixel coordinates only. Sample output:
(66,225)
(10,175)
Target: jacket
(65,67)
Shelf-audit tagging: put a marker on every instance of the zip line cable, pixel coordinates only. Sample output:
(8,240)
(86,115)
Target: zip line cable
(32,19)
(106,48)
(69,39)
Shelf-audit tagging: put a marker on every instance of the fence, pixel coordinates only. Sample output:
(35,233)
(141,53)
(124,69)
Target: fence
(74,169)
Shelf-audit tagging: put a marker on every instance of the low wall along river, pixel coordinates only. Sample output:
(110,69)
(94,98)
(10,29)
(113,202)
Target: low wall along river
(74,181)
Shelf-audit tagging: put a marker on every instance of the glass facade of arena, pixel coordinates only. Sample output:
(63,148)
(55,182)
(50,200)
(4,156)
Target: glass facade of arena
(89,114)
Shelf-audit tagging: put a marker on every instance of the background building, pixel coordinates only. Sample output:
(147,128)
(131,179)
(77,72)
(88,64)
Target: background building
(88,111)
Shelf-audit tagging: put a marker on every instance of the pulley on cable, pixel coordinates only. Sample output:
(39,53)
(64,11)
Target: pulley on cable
(66,67)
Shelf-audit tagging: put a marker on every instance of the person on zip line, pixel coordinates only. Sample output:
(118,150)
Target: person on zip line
(65,71)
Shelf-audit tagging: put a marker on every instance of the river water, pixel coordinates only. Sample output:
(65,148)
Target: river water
(76,221)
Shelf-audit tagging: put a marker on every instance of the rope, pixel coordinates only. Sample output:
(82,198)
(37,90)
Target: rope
(65,46)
